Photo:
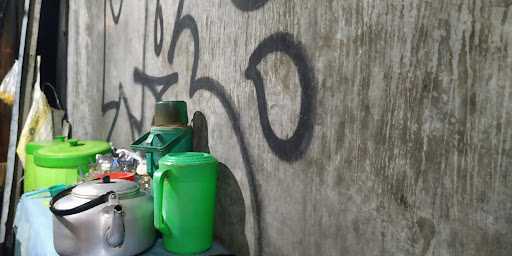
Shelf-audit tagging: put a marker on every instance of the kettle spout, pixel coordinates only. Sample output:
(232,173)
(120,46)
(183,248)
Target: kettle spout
(114,235)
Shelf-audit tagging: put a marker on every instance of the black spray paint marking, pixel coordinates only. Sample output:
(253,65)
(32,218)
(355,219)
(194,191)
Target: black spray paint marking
(151,82)
(215,88)
(158,28)
(115,16)
(293,148)
(286,149)
(249,5)
(134,123)
(182,24)
(111,105)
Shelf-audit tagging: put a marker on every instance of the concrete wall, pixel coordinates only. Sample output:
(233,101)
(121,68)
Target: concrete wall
(345,127)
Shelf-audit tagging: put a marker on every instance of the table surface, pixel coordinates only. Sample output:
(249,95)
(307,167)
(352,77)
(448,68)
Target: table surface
(34,236)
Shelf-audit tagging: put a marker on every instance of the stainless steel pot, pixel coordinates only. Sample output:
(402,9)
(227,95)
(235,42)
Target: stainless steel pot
(103,217)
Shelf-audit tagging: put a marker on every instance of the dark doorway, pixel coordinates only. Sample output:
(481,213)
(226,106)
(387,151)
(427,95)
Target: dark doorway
(52,47)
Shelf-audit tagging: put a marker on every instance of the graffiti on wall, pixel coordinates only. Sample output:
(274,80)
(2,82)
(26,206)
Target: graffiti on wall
(249,5)
(289,149)
(135,123)
(116,14)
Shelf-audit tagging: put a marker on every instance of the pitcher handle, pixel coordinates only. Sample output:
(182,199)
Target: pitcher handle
(158,188)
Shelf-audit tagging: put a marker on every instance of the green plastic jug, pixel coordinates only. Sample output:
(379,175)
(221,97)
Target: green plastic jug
(65,162)
(184,200)
(170,134)
(29,182)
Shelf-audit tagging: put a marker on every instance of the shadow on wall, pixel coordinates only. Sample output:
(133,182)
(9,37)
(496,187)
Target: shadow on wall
(200,133)
(230,205)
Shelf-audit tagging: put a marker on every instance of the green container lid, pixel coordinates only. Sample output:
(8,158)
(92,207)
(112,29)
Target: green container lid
(187,158)
(34,146)
(71,154)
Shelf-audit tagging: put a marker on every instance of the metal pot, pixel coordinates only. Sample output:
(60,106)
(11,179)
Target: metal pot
(103,217)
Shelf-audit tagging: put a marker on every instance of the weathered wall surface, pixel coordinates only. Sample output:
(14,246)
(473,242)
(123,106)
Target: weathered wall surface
(346,127)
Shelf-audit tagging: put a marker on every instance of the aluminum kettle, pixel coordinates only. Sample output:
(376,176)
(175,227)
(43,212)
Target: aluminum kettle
(103,217)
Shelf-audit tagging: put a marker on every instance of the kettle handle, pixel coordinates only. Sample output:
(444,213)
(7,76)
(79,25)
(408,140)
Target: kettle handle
(158,182)
(81,208)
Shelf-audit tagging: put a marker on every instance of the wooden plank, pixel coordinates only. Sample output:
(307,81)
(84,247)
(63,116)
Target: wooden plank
(7,36)
(11,155)
(5,118)
(3,168)
(14,128)
(28,78)
(8,47)
(29,62)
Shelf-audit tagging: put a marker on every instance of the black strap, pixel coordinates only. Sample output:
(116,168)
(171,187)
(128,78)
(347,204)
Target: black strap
(81,208)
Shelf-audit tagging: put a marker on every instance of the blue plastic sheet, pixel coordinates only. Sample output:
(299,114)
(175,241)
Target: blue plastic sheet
(33,227)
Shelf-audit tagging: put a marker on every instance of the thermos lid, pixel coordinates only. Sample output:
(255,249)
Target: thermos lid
(71,154)
(34,146)
(95,188)
(169,113)
(187,158)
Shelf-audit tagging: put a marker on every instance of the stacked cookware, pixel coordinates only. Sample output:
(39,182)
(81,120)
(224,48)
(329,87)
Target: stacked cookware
(110,216)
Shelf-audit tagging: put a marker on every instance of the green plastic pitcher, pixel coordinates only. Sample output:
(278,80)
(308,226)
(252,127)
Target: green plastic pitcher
(184,201)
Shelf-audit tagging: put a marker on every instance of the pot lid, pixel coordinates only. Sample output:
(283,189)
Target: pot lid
(187,158)
(71,154)
(97,188)
(34,146)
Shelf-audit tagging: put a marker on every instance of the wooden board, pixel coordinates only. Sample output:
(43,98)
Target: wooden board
(29,33)
(8,49)
(3,168)
(5,120)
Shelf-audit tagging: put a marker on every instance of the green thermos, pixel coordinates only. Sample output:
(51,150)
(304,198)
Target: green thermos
(169,133)
(184,190)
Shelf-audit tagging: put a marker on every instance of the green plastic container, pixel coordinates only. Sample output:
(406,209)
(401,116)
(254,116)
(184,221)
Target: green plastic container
(161,141)
(169,135)
(29,182)
(65,162)
(184,200)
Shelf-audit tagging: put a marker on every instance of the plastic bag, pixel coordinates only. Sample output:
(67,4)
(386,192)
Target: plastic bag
(39,123)
(8,86)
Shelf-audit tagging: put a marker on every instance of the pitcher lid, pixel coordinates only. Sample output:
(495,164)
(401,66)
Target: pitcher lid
(97,188)
(187,158)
